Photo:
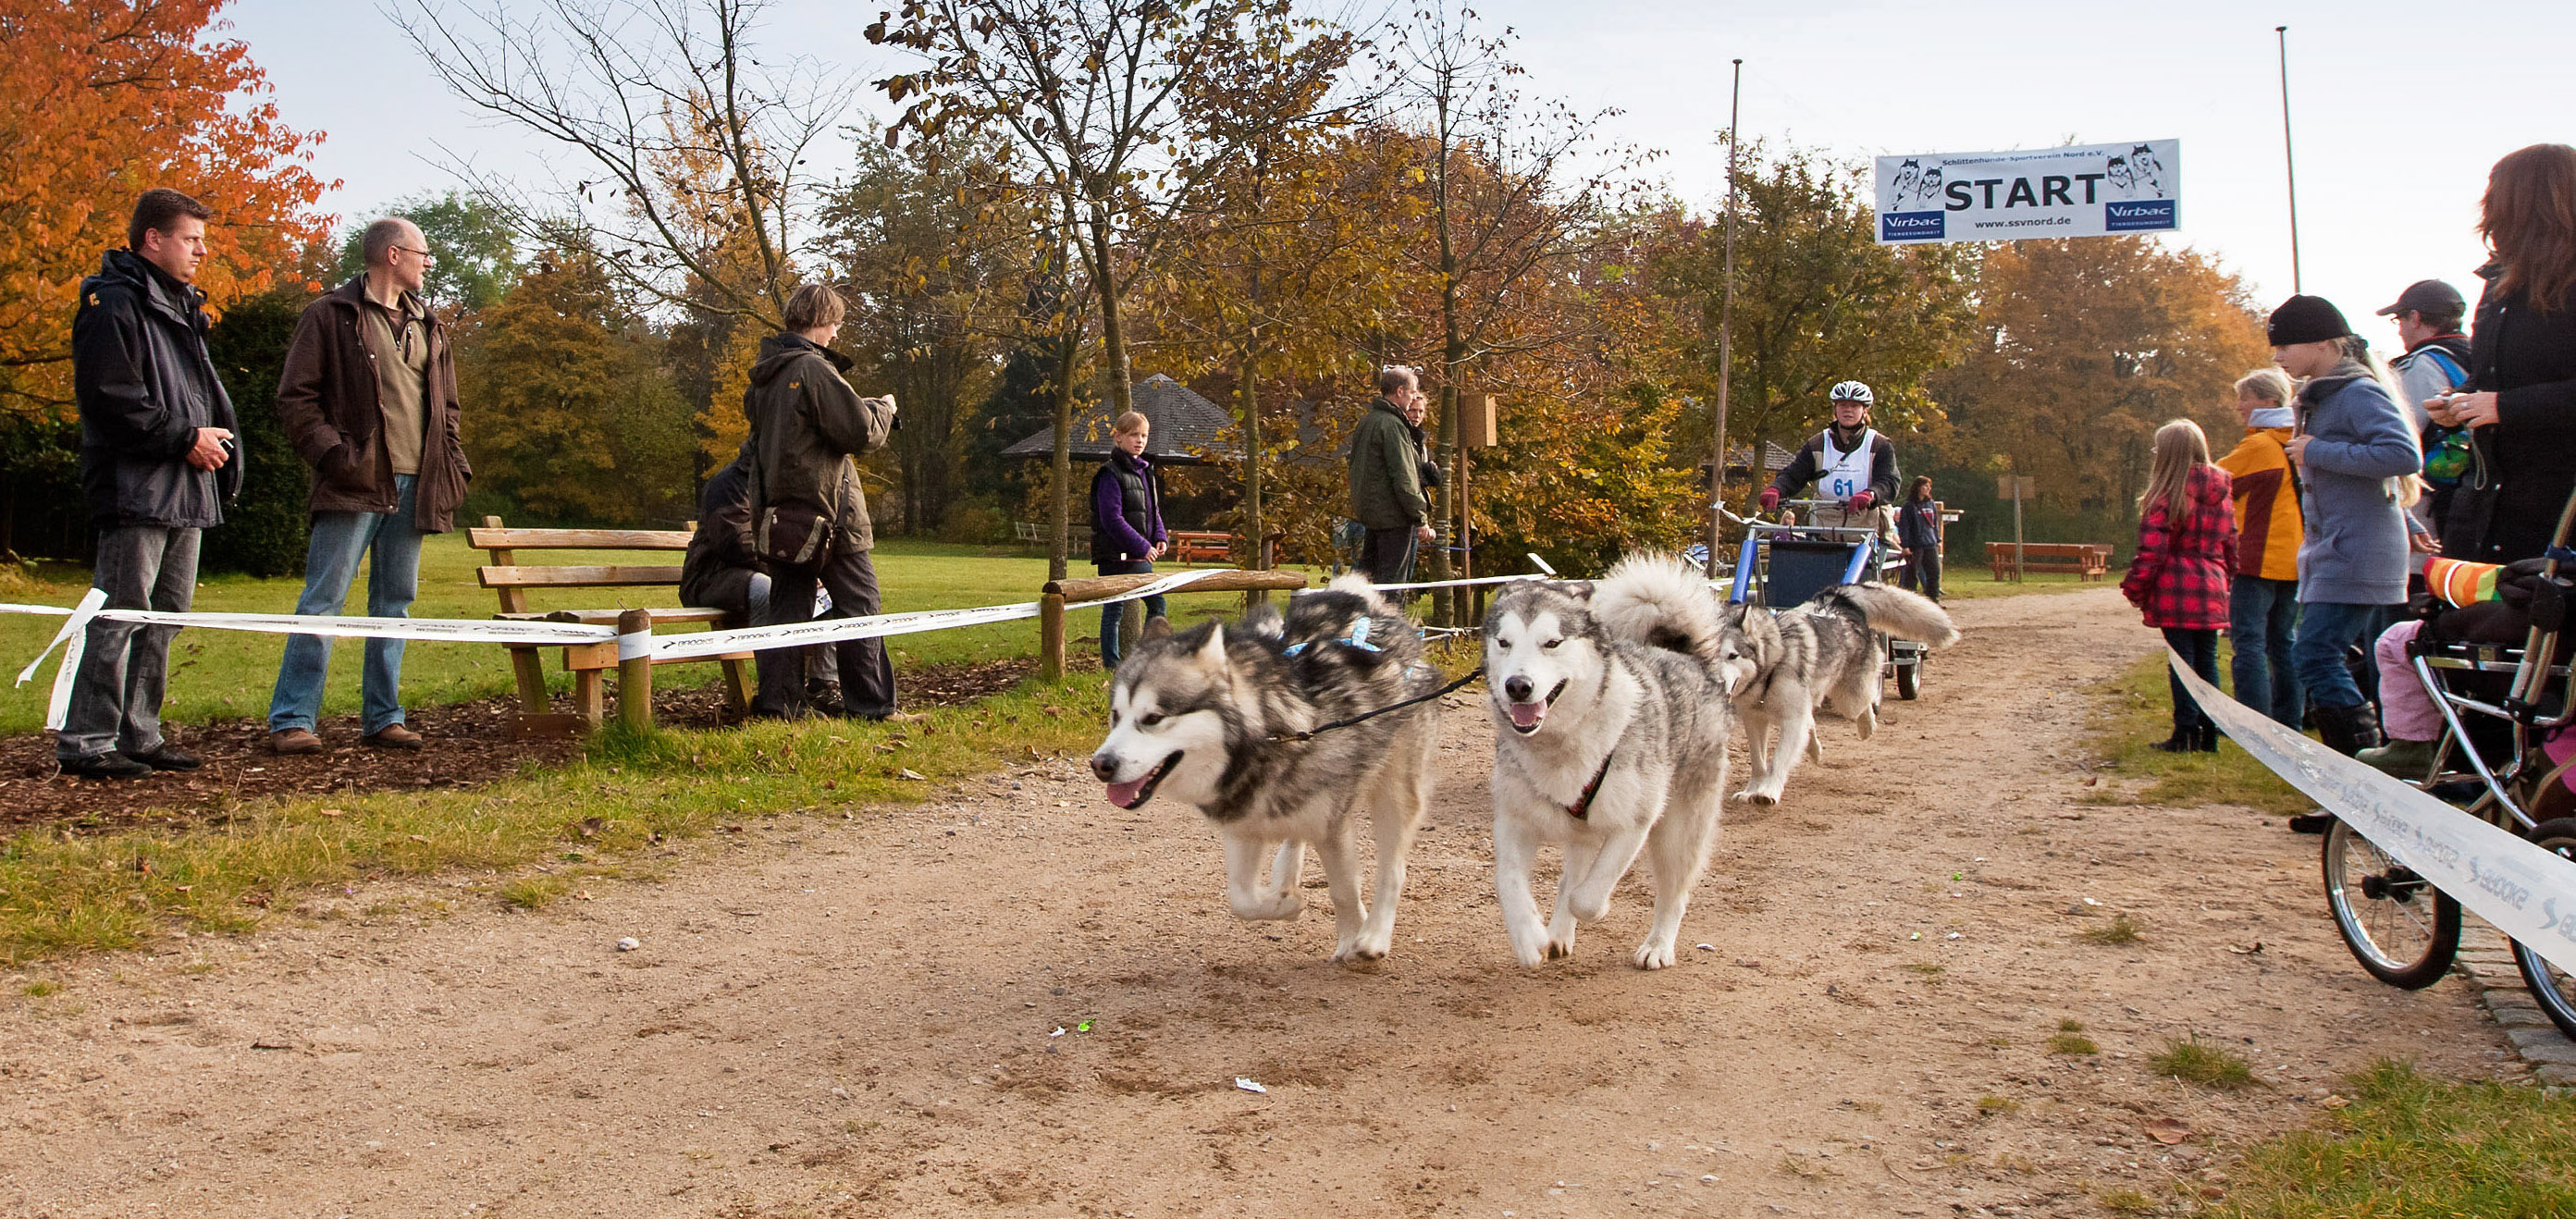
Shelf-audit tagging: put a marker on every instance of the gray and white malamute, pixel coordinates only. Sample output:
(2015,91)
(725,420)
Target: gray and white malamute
(1823,653)
(1203,717)
(1611,720)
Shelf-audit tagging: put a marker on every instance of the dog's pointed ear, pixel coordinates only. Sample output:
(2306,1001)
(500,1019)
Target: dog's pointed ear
(1580,590)
(1157,627)
(1211,655)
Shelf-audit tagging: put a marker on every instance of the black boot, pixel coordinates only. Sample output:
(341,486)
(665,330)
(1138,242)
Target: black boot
(2206,740)
(2348,730)
(2182,741)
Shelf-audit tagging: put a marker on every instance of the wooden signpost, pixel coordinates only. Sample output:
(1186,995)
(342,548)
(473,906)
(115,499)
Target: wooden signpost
(2015,488)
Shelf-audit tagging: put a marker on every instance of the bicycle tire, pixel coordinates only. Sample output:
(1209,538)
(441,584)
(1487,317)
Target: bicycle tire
(2397,925)
(2553,989)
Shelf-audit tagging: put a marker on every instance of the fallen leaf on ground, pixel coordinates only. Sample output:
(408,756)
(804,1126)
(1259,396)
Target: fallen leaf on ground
(2168,1131)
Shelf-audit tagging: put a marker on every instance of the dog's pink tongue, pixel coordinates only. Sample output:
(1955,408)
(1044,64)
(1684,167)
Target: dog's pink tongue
(1124,794)
(1526,714)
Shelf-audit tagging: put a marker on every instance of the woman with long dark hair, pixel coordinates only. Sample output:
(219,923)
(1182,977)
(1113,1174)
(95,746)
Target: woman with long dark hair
(2520,399)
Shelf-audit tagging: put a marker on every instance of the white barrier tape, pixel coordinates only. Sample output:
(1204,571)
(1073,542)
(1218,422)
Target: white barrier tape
(878,626)
(2526,892)
(75,640)
(635,645)
(1464,583)
(452,630)
(75,621)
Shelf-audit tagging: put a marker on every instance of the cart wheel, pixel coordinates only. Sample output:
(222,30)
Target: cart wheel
(2554,989)
(2401,928)
(1909,680)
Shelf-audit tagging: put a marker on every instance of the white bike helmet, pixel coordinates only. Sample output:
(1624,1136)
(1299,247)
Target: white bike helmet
(1850,391)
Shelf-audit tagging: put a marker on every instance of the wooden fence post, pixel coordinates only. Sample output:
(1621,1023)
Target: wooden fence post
(1051,636)
(635,674)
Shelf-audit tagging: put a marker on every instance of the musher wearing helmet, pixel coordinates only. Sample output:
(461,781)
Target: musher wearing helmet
(1849,461)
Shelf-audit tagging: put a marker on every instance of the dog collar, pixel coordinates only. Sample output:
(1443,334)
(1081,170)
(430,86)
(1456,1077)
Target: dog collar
(1581,809)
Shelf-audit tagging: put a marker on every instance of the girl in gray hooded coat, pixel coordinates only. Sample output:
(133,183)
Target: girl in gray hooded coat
(2354,449)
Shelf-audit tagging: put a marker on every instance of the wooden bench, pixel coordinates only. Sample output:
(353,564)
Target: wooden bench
(1026,532)
(2084,560)
(1194,547)
(513,581)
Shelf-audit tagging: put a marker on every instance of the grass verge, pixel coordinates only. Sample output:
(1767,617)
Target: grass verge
(2412,1148)
(61,894)
(1980,582)
(2135,709)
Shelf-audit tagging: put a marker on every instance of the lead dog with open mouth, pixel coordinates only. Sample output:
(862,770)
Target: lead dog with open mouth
(1207,717)
(1611,718)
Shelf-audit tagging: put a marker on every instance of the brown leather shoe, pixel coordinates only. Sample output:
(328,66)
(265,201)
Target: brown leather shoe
(392,736)
(294,740)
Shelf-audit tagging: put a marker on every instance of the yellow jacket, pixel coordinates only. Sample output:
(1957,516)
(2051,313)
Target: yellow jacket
(2268,530)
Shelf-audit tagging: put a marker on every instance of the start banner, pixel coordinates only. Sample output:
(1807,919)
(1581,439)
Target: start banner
(2089,190)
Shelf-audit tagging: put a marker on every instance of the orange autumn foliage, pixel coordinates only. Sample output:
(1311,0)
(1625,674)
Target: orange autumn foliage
(101,100)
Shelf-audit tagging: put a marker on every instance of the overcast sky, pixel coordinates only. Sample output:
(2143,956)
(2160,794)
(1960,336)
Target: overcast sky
(2399,110)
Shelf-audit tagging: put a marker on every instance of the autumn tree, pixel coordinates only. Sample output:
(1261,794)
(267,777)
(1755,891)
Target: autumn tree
(686,142)
(572,416)
(1817,301)
(2081,348)
(1518,189)
(99,101)
(1093,97)
(927,266)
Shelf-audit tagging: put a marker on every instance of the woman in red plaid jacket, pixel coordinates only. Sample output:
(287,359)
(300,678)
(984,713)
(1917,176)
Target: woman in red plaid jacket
(2186,552)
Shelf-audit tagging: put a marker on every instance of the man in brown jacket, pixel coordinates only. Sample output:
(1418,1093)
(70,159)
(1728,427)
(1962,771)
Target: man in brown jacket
(809,519)
(368,399)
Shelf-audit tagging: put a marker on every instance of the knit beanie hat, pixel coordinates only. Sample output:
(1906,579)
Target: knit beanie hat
(2306,319)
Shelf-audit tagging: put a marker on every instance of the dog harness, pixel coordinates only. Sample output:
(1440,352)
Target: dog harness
(1581,809)
(1358,638)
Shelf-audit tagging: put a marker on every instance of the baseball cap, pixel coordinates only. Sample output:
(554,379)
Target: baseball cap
(2428,296)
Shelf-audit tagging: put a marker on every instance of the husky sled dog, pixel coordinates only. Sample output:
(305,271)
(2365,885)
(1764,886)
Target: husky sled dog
(1824,653)
(1199,717)
(1611,721)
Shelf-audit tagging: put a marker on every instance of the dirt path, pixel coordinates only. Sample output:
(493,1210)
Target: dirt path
(858,1018)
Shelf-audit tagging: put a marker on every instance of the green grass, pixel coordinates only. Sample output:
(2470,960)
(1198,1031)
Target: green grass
(1989,1106)
(2412,1148)
(2208,1066)
(540,830)
(1976,582)
(2135,710)
(2070,1039)
(229,674)
(2120,930)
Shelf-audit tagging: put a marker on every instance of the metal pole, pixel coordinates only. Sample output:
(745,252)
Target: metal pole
(2289,159)
(1726,341)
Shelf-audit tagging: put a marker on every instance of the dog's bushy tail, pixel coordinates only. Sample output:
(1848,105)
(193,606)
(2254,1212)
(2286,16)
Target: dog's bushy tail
(1900,613)
(1660,601)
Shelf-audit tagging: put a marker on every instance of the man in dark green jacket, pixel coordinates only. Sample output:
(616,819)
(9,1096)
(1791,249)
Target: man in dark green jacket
(809,519)
(1386,483)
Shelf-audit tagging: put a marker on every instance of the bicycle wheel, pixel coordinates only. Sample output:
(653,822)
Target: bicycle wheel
(2401,928)
(1909,679)
(2552,988)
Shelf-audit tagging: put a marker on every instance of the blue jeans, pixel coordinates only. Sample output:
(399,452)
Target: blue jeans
(2262,616)
(1111,613)
(2326,630)
(2199,649)
(391,547)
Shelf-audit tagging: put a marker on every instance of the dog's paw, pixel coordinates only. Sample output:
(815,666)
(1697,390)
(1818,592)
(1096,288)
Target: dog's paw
(1363,948)
(1651,955)
(1271,907)
(1560,948)
(1754,797)
(1532,956)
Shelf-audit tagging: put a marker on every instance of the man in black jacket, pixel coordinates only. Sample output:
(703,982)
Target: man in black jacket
(157,464)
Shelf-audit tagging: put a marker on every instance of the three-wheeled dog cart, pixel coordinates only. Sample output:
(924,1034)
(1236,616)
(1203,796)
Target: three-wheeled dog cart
(1780,566)
(2507,754)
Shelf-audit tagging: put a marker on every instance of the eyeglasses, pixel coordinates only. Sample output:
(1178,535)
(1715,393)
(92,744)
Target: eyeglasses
(423,255)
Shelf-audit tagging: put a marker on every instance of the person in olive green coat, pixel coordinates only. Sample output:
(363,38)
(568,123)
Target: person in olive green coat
(1386,483)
